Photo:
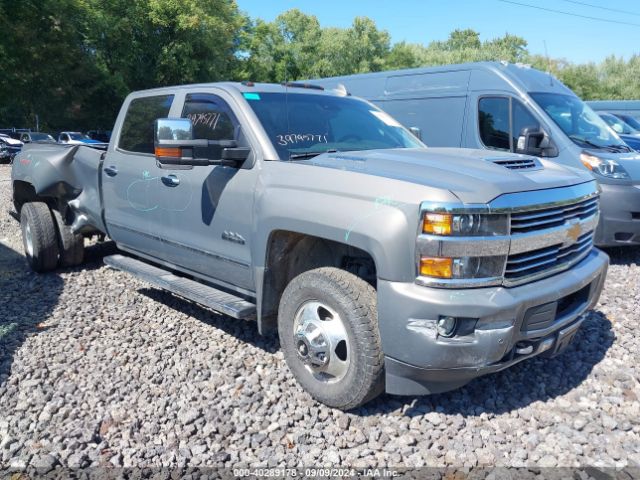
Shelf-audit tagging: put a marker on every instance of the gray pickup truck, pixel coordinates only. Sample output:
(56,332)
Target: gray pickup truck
(381,263)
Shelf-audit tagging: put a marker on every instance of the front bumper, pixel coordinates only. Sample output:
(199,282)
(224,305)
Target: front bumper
(498,326)
(619,216)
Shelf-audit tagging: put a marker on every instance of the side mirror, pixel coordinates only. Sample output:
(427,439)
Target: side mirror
(416,132)
(174,145)
(535,141)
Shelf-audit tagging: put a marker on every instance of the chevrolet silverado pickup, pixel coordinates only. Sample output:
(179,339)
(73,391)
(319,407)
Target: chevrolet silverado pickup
(382,264)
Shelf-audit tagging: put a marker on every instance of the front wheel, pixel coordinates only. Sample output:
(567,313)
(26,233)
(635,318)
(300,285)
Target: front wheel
(328,328)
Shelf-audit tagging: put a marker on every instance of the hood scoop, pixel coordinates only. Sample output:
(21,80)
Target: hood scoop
(517,163)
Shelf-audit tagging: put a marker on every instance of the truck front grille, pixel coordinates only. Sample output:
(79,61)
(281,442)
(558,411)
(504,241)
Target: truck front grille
(552,217)
(539,261)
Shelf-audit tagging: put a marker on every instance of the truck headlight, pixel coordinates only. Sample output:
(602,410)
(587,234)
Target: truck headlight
(462,267)
(465,224)
(606,168)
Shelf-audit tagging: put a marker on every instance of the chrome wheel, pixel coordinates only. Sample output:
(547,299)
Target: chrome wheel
(28,240)
(321,342)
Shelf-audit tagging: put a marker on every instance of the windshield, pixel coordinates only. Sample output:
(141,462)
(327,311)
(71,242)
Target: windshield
(78,136)
(301,125)
(581,124)
(618,125)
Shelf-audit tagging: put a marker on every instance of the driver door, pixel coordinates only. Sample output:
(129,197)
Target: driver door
(209,233)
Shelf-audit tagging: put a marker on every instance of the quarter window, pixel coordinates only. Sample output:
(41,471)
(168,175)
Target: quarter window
(137,133)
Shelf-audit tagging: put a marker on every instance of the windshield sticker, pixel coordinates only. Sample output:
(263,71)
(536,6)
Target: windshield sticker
(388,120)
(294,138)
(251,96)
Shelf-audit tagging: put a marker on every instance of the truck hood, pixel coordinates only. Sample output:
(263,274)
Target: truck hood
(471,175)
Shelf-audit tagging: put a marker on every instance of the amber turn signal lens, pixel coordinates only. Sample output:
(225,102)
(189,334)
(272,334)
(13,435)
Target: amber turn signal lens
(436,267)
(168,152)
(437,223)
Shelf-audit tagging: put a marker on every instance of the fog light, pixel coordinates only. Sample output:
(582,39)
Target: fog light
(436,267)
(447,326)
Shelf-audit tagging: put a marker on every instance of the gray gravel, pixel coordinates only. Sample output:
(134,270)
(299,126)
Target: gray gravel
(98,369)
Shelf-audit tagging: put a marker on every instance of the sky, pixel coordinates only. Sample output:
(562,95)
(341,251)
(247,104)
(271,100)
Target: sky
(422,21)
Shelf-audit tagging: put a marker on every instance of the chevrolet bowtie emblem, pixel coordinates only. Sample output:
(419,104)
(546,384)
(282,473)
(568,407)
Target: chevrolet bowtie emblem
(573,233)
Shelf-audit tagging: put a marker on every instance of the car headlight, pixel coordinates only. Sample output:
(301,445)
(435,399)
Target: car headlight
(606,168)
(465,224)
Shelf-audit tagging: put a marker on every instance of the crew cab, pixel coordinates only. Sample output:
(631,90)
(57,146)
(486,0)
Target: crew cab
(382,264)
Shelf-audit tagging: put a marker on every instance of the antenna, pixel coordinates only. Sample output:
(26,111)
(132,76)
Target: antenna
(546,55)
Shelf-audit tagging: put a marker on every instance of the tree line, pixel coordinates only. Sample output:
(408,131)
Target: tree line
(71,62)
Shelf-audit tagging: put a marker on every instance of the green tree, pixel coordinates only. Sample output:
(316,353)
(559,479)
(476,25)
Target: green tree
(47,70)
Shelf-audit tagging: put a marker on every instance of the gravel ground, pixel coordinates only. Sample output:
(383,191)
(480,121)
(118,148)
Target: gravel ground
(96,368)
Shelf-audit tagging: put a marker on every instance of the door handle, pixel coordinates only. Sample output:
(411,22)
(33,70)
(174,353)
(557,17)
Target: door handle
(171,180)
(112,171)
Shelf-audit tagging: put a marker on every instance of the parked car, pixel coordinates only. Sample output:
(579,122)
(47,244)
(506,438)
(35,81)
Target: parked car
(628,119)
(623,107)
(78,138)
(9,147)
(381,263)
(100,135)
(500,106)
(39,137)
(626,132)
(14,132)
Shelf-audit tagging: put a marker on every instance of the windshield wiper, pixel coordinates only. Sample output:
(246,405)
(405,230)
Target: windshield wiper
(592,144)
(304,155)
(621,148)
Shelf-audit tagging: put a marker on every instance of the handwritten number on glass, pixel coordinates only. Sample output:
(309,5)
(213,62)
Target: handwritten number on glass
(294,138)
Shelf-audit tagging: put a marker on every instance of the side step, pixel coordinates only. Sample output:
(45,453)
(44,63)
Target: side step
(210,297)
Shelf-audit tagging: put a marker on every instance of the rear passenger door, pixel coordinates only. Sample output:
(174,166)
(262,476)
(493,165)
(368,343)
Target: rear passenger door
(135,202)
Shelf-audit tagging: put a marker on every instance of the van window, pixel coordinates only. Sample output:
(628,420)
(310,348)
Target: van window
(493,121)
(522,118)
(501,121)
(137,133)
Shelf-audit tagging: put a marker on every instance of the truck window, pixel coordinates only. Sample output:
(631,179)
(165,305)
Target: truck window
(493,120)
(501,120)
(211,117)
(137,134)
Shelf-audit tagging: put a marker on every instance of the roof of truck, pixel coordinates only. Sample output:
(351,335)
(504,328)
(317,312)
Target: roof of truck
(247,87)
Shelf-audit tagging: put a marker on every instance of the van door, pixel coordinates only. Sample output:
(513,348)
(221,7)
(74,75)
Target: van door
(499,121)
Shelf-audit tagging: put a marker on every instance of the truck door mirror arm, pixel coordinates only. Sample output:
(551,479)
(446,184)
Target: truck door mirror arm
(174,145)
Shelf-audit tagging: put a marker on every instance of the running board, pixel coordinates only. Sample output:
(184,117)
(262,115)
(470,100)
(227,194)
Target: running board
(210,297)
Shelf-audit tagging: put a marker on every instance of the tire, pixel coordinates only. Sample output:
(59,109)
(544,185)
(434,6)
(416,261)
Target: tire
(315,303)
(39,236)
(71,245)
